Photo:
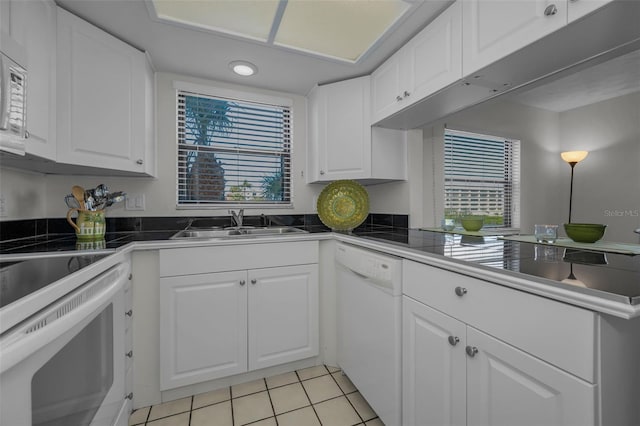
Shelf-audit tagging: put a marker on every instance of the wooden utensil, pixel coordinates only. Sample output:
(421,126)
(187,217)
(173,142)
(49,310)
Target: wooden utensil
(78,193)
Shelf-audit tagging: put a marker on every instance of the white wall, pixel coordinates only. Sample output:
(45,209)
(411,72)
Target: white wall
(606,185)
(160,192)
(541,199)
(24,194)
(31,195)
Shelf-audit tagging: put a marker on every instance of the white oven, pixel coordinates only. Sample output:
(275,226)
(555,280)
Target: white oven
(65,364)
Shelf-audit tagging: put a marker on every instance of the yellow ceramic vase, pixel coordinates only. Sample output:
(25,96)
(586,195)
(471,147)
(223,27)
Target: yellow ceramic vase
(89,225)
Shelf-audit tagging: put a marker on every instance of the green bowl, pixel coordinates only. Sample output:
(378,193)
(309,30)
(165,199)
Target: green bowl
(584,232)
(472,223)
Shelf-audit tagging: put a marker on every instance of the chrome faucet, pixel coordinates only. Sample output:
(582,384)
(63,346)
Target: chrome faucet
(237,217)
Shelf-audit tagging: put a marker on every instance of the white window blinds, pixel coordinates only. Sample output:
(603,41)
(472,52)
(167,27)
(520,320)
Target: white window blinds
(232,152)
(482,176)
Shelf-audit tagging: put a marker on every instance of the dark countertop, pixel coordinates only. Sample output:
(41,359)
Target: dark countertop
(607,273)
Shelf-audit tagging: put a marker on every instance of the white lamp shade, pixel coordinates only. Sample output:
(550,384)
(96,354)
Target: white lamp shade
(574,156)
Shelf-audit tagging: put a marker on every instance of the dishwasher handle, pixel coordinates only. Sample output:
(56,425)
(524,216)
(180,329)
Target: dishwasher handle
(383,284)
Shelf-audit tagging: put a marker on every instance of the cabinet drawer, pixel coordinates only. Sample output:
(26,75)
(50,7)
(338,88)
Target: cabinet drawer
(202,260)
(560,334)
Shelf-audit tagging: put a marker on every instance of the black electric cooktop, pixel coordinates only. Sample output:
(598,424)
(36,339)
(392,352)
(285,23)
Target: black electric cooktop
(23,277)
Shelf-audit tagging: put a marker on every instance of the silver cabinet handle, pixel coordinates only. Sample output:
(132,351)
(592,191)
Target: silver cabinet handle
(253,281)
(26,134)
(471,351)
(130,396)
(407,94)
(453,340)
(461,291)
(129,313)
(130,277)
(242,282)
(140,161)
(398,98)
(129,354)
(550,10)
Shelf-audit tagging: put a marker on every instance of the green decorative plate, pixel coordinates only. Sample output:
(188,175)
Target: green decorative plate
(343,205)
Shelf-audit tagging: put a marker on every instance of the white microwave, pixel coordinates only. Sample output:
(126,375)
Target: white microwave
(13,111)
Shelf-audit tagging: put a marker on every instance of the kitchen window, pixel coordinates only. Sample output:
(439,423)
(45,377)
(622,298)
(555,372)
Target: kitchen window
(232,150)
(482,176)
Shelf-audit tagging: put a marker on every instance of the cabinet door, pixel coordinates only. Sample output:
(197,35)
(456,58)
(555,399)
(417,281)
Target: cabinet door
(33,25)
(495,28)
(344,131)
(203,327)
(102,120)
(506,386)
(433,367)
(433,59)
(386,89)
(580,8)
(283,315)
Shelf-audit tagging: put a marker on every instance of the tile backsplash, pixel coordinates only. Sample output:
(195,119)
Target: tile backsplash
(16,229)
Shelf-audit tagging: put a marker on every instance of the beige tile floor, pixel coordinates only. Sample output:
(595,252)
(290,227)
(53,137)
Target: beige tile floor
(316,396)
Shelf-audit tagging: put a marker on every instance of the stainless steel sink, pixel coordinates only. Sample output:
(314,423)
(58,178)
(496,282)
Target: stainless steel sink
(236,232)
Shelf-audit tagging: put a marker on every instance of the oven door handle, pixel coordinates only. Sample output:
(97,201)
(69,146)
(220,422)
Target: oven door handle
(23,343)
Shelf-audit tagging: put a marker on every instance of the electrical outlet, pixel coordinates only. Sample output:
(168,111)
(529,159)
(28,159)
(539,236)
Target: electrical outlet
(134,202)
(3,206)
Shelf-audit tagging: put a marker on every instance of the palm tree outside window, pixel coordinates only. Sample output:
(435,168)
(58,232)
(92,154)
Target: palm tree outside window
(232,152)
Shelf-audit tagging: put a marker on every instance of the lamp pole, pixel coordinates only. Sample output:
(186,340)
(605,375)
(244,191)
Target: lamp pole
(572,164)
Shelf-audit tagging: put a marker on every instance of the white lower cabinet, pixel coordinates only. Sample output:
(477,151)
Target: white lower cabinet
(506,386)
(434,373)
(203,327)
(217,324)
(456,374)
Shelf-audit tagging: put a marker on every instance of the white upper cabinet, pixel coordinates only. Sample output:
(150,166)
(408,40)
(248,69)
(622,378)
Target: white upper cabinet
(342,135)
(105,88)
(32,24)
(386,88)
(493,29)
(427,63)
(342,144)
(579,8)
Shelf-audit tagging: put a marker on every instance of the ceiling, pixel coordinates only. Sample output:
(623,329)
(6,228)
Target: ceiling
(292,59)
(607,80)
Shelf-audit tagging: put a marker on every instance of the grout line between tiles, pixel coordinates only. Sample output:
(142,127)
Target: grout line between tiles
(275,416)
(312,406)
(273,409)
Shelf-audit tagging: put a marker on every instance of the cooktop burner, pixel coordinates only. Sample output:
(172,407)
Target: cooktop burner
(21,278)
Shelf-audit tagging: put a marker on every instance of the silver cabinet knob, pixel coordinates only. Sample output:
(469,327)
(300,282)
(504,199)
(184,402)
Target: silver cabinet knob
(130,277)
(461,291)
(453,340)
(129,313)
(130,396)
(26,134)
(139,161)
(550,10)
(321,172)
(129,354)
(398,98)
(242,282)
(407,94)
(253,281)
(471,351)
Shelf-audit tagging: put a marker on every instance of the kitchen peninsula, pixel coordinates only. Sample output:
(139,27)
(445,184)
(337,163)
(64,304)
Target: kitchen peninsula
(514,293)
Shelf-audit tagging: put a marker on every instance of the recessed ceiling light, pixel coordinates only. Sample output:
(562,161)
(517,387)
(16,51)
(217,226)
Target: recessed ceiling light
(243,68)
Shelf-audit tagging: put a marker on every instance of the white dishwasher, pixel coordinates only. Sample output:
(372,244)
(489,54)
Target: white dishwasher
(369,293)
